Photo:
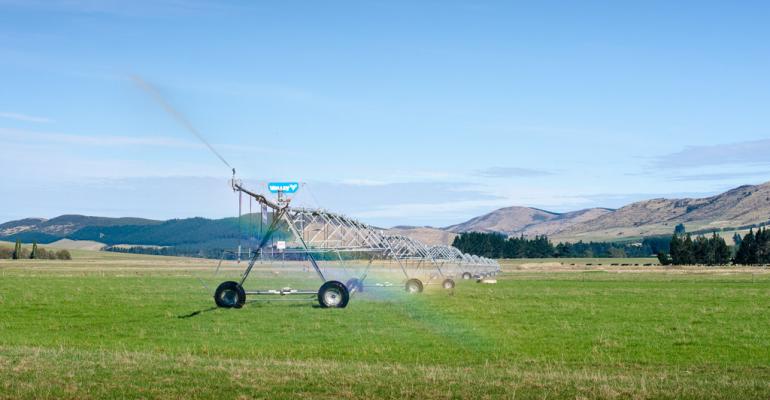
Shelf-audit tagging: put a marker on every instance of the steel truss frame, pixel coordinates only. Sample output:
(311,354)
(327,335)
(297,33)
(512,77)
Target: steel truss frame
(317,231)
(466,265)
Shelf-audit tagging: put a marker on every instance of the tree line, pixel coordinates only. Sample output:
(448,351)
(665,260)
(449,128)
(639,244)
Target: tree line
(684,250)
(36,253)
(496,245)
(681,248)
(751,249)
(754,248)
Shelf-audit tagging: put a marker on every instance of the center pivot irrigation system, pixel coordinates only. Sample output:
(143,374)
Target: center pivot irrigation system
(317,234)
(317,237)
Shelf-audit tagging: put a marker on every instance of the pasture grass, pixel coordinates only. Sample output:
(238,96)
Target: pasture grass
(122,326)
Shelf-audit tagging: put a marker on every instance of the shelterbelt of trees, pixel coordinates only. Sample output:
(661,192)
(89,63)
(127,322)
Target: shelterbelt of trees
(20,253)
(684,250)
(679,249)
(496,245)
(753,248)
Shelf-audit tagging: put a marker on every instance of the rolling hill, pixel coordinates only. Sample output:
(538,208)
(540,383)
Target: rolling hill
(66,224)
(188,236)
(509,220)
(739,208)
(527,221)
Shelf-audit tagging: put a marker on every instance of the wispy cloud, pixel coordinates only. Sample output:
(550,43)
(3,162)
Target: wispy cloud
(364,182)
(749,152)
(101,140)
(27,136)
(719,176)
(511,172)
(23,117)
(450,210)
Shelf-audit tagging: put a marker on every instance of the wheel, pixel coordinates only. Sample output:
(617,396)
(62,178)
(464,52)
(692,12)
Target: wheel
(354,285)
(230,295)
(448,284)
(413,286)
(333,294)
(466,275)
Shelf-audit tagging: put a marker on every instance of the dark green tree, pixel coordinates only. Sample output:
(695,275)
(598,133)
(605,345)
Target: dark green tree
(676,249)
(17,250)
(722,252)
(762,246)
(33,254)
(664,258)
(688,251)
(680,229)
(737,239)
(746,253)
(701,250)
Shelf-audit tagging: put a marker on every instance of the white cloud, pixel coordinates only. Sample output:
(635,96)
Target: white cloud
(755,151)
(23,117)
(26,136)
(364,182)
(511,172)
(721,176)
(436,211)
(101,140)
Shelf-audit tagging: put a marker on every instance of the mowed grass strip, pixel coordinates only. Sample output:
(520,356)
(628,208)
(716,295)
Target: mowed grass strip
(69,331)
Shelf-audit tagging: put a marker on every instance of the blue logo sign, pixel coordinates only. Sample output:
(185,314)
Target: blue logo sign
(284,187)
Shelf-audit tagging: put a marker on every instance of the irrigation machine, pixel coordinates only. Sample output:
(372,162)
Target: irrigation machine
(331,247)
(359,252)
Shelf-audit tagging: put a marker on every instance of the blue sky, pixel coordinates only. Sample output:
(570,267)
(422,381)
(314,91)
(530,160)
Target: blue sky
(395,112)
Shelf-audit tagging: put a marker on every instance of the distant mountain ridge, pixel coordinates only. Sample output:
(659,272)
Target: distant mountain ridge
(66,224)
(741,207)
(195,232)
(527,221)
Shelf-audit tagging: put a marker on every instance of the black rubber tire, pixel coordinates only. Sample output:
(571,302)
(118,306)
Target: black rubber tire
(230,295)
(413,286)
(448,284)
(333,294)
(466,275)
(354,285)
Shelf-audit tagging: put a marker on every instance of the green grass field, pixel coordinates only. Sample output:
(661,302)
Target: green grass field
(119,326)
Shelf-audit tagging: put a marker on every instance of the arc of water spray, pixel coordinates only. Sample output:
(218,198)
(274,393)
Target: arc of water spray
(179,117)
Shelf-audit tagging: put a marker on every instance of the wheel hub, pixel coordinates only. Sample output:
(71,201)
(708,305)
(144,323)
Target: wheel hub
(332,297)
(229,296)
